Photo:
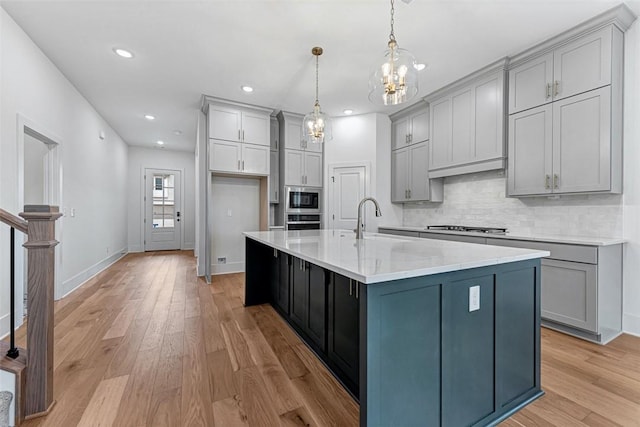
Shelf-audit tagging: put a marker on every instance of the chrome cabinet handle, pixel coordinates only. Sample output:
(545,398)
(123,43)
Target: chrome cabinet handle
(275,253)
(243,165)
(409,193)
(410,138)
(556,88)
(546,182)
(239,139)
(239,165)
(556,181)
(243,135)
(276,194)
(350,287)
(357,290)
(548,90)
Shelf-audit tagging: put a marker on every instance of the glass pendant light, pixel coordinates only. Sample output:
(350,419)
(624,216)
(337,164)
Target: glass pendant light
(396,80)
(316,127)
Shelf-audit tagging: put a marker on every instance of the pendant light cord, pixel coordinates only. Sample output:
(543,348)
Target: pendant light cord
(317,79)
(392,36)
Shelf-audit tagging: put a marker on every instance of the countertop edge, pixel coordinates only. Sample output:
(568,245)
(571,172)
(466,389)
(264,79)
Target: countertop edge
(567,240)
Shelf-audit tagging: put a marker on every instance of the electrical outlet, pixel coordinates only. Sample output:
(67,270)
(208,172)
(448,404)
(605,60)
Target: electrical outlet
(222,260)
(474,298)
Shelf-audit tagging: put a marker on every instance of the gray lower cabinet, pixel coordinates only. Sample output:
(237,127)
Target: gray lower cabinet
(399,232)
(454,238)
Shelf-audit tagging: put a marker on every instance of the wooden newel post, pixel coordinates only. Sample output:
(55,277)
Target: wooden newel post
(40,246)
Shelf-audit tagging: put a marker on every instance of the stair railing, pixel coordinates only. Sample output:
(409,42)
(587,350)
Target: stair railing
(15,223)
(38,223)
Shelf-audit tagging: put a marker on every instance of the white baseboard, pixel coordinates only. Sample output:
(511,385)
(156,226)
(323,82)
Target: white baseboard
(631,324)
(73,283)
(231,267)
(189,246)
(4,325)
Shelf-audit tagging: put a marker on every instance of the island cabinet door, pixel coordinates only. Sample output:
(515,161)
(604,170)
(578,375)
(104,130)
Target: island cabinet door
(316,326)
(344,325)
(467,351)
(299,293)
(279,279)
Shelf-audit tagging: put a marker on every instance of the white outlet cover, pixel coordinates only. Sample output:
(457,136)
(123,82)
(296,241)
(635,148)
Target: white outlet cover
(474,298)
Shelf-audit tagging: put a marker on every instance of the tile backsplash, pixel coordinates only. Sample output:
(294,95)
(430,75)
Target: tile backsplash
(479,200)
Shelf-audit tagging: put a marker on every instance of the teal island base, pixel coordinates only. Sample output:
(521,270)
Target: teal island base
(460,348)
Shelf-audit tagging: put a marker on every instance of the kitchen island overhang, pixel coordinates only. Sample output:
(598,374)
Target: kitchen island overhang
(423,332)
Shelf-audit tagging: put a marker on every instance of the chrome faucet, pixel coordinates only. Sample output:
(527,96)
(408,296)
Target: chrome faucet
(360,226)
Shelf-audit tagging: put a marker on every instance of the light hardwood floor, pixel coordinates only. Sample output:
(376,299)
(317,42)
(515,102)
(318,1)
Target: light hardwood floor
(147,343)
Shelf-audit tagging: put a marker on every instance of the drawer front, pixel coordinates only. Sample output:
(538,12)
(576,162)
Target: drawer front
(576,253)
(454,238)
(569,294)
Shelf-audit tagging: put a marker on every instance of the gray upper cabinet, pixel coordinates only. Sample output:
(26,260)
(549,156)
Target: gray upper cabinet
(467,124)
(410,126)
(274,134)
(565,130)
(409,176)
(233,123)
(578,66)
(301,164)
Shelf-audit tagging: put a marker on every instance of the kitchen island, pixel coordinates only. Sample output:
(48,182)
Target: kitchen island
(422,332)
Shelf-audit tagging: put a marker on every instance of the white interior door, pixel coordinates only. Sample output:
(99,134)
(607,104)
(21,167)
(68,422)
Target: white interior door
(346,189)
(162,222)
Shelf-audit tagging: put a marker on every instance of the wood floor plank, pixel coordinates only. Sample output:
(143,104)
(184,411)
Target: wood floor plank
(104,403)
(229,413)
(221,381)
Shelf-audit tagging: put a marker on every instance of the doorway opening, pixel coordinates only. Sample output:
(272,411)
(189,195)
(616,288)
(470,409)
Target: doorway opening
(39,183)
(162,212)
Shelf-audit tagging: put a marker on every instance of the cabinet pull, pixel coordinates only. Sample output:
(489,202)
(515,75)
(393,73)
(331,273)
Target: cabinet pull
(239,139)
(300,265)
(276,195)
(275,253)
(410,138)
(546,182)
(556,88)
(350,287)
(239,165)
(409,193)
(243,135)
(556,180)
(243,165)
(548,90)
(357,290)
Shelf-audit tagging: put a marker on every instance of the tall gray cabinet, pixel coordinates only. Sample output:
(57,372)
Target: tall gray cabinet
(565,111)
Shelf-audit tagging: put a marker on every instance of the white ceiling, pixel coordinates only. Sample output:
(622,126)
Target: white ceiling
(184,49)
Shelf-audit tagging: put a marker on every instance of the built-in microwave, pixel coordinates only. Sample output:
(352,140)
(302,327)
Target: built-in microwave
(303,200)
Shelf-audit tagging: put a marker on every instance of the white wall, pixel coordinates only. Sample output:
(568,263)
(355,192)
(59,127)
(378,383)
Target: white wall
(158,158)
(235,208)
(631,198)
(94,170)
(34,156)
(364,139)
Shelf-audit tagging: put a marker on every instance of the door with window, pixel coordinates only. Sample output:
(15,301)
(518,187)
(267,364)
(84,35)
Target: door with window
(162,222)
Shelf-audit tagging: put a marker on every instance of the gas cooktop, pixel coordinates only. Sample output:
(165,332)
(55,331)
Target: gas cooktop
(487,230)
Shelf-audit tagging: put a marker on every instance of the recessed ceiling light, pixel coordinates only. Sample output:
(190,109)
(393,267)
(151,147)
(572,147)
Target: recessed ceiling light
(177,132)
(149,117)
(247,89)
(123,53)
(160,142)
(348,111)
(419,67)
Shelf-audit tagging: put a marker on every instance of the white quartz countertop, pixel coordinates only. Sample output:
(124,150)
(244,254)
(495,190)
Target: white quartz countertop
(566,239)
(383,257)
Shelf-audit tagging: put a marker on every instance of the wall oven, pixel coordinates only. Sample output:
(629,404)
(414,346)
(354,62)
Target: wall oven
(303,208)
(303,200)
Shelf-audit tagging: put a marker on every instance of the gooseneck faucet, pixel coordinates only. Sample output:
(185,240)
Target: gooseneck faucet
(360,226)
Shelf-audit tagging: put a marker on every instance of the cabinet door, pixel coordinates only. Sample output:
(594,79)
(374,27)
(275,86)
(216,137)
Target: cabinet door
(462,133)
(284,274)
(225,156)
(273,257)
(313,169)
(440,140)
(530,84)
(582,142)
(583,64)
(467,376)
(256,128)
(399,133)
(275,134)
(344,325)
(299,293)
(530,152)
(274,177)
(569,293)
(293,134)
(255,159)
(399,175)
(315,148)
(418,173)
(224,123)
(419,127)
(489,118)
(293,167)
(317,300)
